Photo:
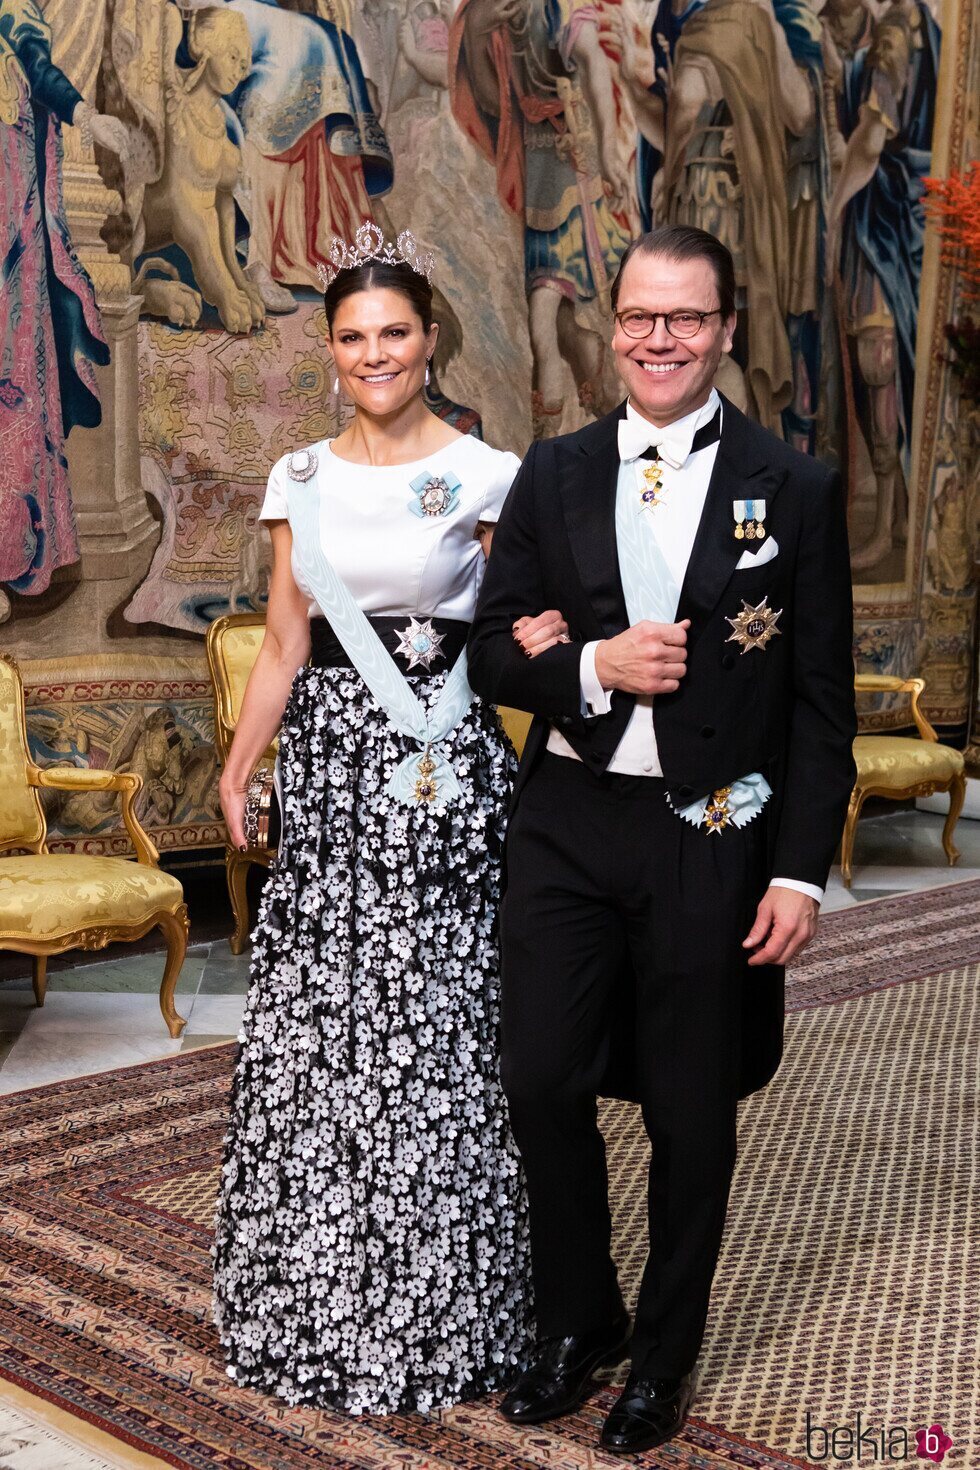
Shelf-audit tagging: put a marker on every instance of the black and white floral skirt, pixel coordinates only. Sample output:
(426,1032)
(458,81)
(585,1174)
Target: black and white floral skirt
(371,1247)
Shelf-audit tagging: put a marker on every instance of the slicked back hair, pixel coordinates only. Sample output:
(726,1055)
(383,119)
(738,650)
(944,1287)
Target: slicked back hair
(684,242)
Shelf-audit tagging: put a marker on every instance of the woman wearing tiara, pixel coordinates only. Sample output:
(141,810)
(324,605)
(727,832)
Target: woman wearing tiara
(371,1250)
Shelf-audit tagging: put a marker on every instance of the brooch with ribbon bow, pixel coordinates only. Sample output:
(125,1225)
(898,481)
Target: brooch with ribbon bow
(435,495)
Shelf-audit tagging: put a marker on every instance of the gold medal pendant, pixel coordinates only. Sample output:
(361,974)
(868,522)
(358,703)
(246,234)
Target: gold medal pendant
(426,789)
(739,531)
(717,812)
(653,486)
(754,626)
(750,530)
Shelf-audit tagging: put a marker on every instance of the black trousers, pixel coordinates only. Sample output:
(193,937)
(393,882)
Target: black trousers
(601,872)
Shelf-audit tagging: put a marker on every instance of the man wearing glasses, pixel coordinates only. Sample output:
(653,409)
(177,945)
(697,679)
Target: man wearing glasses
(677,809)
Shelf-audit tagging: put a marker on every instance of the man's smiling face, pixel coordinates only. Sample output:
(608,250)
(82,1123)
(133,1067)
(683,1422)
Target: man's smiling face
(668,377)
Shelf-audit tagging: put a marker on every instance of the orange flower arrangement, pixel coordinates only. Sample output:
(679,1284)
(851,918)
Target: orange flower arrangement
(953,207)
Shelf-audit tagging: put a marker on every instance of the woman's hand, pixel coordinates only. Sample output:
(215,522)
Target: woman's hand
(232,796)
(536,634)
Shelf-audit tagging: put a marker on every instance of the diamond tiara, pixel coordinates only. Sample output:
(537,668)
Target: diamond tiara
(369,244)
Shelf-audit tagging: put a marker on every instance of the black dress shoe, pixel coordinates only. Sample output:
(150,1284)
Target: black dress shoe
(648,1412)
(557,1378)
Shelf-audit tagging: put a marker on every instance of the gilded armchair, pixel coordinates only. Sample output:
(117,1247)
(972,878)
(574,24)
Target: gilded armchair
(233,643)
(52,902)
(899,767)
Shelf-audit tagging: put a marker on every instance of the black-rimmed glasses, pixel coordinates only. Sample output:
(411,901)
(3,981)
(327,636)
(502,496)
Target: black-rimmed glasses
(681,322)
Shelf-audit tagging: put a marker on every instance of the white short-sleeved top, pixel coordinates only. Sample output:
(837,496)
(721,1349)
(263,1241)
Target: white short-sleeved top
(392,560)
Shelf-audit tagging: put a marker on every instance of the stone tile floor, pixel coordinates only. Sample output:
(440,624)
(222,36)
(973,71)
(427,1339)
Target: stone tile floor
(104,1013)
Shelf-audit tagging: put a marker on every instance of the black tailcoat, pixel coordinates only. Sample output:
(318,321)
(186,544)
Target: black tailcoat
(787,711)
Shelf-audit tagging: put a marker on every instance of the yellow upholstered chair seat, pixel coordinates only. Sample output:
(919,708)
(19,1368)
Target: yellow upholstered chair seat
(900,767)
(232,646)
(891,760)
(47,896)
(516,725)
(240,642)
(50,902)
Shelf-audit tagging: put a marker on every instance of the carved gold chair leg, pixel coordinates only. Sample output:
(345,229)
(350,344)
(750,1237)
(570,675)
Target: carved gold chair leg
(175,927)
(39,966)
(850,830)
(236,869)
(957,796)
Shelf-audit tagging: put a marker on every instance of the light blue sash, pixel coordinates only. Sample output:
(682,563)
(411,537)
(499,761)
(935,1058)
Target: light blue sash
(652,594)
(375,664)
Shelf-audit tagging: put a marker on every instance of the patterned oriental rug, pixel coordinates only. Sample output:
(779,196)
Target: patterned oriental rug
(846,1286)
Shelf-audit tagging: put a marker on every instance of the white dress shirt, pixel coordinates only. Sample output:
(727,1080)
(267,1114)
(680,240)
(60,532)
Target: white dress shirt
(675,523)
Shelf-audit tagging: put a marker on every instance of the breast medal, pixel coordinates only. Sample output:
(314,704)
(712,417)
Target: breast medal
(749,516)
(754,626)
(420,643)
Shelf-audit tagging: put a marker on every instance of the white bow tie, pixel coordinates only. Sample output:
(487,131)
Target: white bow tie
(636,438)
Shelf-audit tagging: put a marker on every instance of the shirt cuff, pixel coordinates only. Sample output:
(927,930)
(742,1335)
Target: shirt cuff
(809,888)
(595,699)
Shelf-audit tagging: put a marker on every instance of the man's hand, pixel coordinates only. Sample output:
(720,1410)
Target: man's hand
(536,634)
(649,658)
(786,921)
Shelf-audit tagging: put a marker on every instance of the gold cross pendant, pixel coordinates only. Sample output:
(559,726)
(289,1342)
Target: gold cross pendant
(653,486)
(426,789)
(717,813)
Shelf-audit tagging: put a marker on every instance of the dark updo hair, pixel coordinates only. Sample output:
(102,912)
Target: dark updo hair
(684,242)
(375,274)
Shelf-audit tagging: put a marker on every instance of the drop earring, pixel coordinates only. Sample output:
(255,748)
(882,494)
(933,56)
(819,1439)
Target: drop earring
(428,375)
(336,387)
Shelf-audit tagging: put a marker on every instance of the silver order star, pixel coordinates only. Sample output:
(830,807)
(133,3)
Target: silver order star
(420,643)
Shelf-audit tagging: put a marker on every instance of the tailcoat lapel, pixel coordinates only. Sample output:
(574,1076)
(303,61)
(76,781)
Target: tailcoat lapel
(741,472)
(588,472)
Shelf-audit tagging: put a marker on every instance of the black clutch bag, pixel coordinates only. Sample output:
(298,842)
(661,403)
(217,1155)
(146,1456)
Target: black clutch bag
(263,814)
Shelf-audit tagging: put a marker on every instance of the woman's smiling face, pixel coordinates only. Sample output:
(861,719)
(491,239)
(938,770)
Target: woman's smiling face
(380,347)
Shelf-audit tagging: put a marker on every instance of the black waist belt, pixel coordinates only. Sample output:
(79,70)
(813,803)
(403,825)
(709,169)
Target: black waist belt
(422,647)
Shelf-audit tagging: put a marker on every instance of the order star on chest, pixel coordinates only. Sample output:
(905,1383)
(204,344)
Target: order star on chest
(420,643)
(754,626)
